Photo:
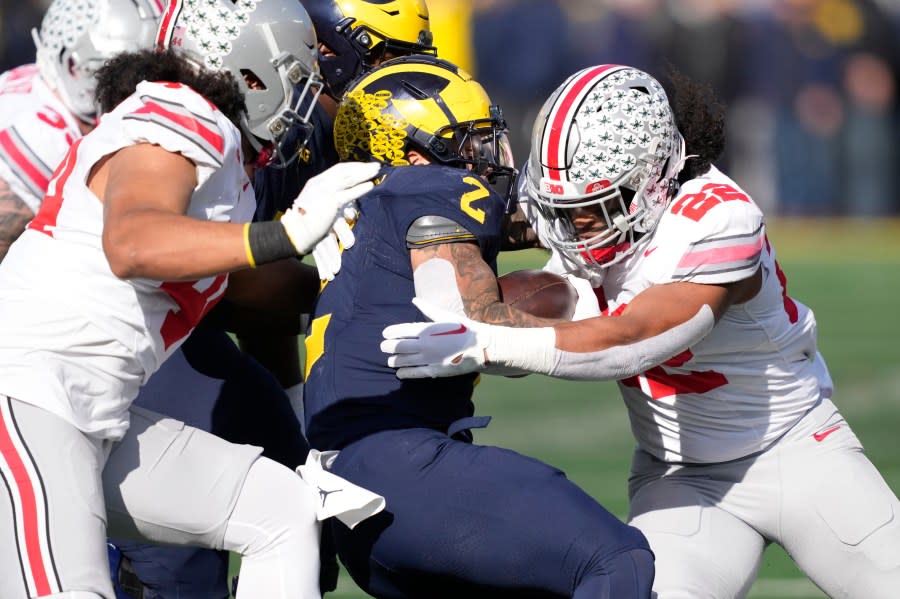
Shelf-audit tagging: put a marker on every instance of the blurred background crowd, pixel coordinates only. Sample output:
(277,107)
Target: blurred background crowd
(810,85)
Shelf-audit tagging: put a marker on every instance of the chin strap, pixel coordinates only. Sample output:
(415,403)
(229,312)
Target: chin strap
(677,167)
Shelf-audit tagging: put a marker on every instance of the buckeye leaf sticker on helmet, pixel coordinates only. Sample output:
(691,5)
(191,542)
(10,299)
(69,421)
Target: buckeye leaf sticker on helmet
(605,148)
(269,46)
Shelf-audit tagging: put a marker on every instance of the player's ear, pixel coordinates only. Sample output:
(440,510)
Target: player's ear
(416,157)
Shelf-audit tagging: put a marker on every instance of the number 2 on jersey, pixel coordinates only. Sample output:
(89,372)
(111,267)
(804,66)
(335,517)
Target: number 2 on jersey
(695,205)
(470,197)
(660,383)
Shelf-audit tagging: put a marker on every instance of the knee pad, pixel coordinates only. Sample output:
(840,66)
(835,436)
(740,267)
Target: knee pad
(275,507)
(274,528)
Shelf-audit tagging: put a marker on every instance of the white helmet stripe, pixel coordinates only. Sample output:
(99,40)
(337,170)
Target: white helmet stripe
(553,150)
(167,24)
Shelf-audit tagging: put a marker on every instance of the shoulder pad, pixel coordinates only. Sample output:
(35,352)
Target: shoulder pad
(431,230)
(179,119)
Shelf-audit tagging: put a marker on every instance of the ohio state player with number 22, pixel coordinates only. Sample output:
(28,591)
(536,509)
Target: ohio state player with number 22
(738,442)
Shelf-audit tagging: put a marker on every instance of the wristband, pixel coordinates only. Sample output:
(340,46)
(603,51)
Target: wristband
(522,349)
(267,242)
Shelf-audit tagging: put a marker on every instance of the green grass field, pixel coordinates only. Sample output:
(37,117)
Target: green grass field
(847,271)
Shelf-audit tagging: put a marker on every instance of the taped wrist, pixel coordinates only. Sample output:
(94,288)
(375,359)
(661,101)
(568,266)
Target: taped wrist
(530,350)
(267,242)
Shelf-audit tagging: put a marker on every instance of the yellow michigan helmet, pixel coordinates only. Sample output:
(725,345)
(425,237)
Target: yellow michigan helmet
(423,103)
(361,33)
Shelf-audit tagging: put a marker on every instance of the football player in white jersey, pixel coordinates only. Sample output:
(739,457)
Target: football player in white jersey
(46,106)
(142,222)
(738,442)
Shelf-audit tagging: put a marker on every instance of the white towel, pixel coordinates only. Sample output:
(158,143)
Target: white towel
(349,503)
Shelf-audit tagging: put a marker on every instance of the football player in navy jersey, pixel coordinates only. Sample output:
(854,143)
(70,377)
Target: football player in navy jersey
(462,520)
(353,36)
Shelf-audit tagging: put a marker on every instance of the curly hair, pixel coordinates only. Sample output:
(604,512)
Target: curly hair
(700,118)
(119,76)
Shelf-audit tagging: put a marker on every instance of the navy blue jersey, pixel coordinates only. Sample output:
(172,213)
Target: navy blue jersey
(276,188)
(350,391)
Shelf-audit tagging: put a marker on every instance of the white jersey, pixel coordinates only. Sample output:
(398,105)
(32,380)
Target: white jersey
(74,338)
(36,131)
(757,372)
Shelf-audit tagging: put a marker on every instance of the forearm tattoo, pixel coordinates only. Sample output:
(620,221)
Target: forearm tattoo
(480,292)
(14,216)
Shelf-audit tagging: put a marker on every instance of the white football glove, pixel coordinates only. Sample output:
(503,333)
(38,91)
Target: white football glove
(327,253)
(319,209)
(449,346)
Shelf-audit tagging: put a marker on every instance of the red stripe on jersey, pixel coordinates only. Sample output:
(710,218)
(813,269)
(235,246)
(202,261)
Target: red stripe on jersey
(565,105)
(734,253)
(19,80)
(194,127)
(27,166)
(24,493)
(167,24)
(45,220)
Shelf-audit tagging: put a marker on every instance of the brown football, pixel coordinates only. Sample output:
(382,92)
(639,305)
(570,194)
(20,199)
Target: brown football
(539,293)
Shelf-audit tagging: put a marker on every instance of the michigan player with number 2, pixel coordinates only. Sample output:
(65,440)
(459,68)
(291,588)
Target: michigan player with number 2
(463,520)
(143,221)
(353,36)
(739,443)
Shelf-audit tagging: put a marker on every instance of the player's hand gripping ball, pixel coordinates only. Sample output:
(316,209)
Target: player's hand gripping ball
(539,293)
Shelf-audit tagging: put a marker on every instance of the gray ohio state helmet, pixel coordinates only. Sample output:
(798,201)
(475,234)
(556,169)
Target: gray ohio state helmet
(77,36)
(605,148)
(268,45)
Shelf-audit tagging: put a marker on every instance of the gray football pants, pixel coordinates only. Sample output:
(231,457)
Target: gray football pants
(814,493)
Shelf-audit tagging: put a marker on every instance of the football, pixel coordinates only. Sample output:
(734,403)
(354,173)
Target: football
(539,293)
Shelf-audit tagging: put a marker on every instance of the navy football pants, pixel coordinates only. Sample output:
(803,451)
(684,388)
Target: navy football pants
(471,521)
(211,385)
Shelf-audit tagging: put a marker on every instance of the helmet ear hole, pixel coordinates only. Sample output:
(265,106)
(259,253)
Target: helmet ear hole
(674,186)
(252,80)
